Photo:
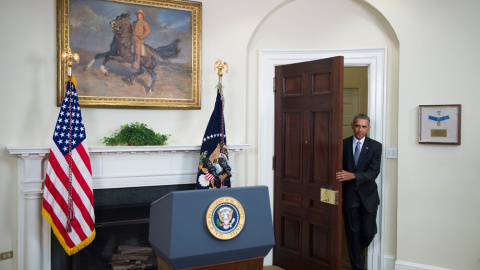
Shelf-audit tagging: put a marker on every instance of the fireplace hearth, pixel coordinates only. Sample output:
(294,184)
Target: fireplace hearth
(121,222)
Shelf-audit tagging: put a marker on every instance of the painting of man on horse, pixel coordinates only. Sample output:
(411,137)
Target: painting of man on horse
(131,66)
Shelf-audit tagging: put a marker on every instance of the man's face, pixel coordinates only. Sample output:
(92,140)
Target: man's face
(360,128)
(139,16)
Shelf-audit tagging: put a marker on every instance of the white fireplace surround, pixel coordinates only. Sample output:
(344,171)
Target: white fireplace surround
(112,167)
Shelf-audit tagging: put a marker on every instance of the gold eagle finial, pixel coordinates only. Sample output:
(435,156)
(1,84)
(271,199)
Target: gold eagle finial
(69,56)
(220,66)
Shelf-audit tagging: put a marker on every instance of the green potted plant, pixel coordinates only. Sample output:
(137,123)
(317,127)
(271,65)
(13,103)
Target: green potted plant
(136,134)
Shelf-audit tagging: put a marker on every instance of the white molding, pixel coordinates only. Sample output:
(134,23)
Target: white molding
(112,167)
(42,151)
(389,262)
(402,265)
(375,60)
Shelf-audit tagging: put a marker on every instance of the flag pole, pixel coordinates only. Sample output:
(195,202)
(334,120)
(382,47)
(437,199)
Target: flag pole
(221,66)
(69,56)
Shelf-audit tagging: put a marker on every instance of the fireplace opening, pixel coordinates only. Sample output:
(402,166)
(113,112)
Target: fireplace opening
(121,225)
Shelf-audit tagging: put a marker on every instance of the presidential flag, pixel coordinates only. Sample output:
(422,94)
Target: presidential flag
(213,168)
(68,193)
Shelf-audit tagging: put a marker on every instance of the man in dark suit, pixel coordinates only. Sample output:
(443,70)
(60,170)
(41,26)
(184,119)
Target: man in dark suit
(361,166)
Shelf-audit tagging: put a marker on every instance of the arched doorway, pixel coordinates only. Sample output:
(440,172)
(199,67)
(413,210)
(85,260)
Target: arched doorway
(375,60)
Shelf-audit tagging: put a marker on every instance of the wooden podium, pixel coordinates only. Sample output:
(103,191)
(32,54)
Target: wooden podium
(251,264)
(180,238)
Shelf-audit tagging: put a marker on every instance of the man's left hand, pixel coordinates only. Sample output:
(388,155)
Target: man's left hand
(344,176)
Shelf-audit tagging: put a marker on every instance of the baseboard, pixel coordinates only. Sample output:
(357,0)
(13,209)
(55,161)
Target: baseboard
(388,262)
(401,265)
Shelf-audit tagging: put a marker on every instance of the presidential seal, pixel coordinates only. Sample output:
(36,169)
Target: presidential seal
(225,218)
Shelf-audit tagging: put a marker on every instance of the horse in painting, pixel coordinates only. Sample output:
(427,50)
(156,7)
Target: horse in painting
(121,51)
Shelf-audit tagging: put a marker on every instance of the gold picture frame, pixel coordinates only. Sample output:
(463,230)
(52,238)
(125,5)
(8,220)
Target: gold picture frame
(440,124)
(93,29)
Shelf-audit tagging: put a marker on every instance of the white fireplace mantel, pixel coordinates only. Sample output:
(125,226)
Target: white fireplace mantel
(112,167)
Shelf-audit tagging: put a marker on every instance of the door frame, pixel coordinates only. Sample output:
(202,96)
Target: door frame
(376,61)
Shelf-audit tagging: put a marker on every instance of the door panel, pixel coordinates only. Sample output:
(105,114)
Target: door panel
(321,83)
(291,234)
(293,151)
(293,85)
(320,249)
(320,147)
(308,147)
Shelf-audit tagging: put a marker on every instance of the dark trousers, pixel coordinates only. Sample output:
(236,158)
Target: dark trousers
(360,229)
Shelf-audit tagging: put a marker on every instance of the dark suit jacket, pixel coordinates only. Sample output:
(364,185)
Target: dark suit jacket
(366,172)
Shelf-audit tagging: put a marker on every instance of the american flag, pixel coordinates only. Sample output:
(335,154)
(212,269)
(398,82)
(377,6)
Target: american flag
(68,194)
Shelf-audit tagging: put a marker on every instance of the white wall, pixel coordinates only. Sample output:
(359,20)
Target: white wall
(28,92)
(438,40)
(438,202)
(325,24)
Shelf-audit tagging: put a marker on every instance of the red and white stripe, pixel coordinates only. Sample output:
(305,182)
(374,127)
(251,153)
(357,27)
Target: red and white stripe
(209,176)
(55,198)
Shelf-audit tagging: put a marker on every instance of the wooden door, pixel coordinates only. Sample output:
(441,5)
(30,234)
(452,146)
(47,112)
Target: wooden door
(308,152)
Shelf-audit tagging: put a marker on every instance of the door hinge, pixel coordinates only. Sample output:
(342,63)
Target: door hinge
(274,84)
(273,163)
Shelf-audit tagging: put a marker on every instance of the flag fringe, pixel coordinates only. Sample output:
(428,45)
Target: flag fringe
(68,250)
(73,81)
